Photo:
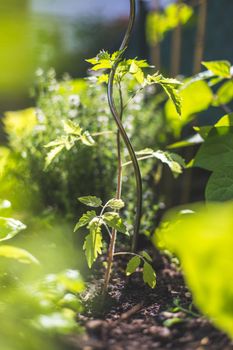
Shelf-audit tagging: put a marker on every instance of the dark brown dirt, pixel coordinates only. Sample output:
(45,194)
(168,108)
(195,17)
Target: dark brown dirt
(138,317)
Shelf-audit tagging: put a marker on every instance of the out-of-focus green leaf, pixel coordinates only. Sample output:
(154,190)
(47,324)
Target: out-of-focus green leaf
(57,322)
(224,94)
(158,24)
(196,97)
(87,139)
(203,243)
(219,68)
(72,128)
(71,280)
(51,155)
(19,124)
(18,254)
(10,228)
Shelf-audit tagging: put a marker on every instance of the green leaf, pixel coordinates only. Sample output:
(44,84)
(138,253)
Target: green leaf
(217,150)
(220,185)
(226,120)
(146,256)
(203,242)
(174,96)
(149,275)
(174,161)
(203,131)
(91,201)
(219,68)
(85,219)
(113,220)
(10,228)
(137,72)
(196,97)
(87,139)
(52,155)
(132,265)
(224,94)
(116,204)
(18,254)
(57,142)
(72,128)
(170,87)
(93,243)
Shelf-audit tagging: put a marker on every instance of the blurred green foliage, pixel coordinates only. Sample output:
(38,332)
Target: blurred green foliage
(84,102)
(34,314)
(159,23)
(202,239)
(43,306)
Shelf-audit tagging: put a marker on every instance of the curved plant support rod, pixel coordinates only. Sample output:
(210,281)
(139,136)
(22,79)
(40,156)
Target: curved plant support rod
(120,126)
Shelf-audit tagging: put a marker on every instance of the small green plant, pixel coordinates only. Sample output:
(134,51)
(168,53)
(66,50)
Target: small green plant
(119,68)
(110,219)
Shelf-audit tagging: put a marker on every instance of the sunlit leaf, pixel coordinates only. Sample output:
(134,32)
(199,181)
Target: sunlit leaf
(10,228)
(116,204)
(113,220)
(85,219)
(132,265)
(196,97)
(173,160)
(203,243)
(219,68)
(18,254)
(72,128)
(52,154)
(87,139)
(224,94)
(93,243)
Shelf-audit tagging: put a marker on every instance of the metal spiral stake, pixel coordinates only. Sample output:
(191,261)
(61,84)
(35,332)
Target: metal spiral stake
(120,126)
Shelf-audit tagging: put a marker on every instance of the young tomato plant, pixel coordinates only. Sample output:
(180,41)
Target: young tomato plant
(117,69)
(113,69)
(110,219)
